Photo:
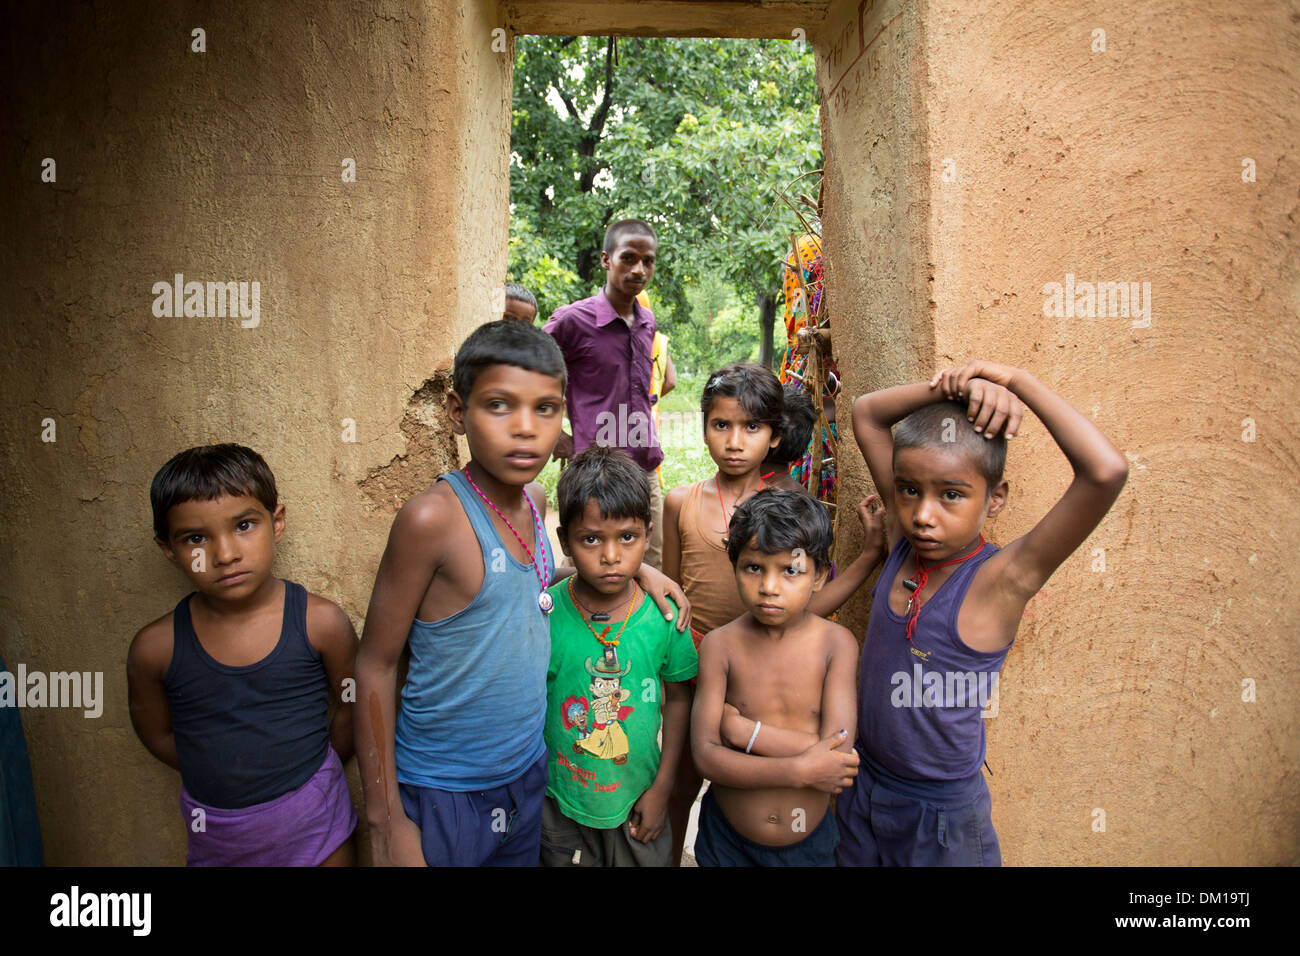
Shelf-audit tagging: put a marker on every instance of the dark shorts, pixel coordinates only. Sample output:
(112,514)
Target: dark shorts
(497,827)
(566,842)
(718,844)
(886,820)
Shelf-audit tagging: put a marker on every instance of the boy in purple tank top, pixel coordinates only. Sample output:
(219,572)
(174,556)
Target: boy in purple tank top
(947,605)
(234,687)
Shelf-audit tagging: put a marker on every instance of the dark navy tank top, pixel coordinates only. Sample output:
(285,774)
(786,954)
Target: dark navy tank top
(920,701)
(246,735)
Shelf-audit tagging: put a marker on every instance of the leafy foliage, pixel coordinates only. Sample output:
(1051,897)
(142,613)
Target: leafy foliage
(695,136)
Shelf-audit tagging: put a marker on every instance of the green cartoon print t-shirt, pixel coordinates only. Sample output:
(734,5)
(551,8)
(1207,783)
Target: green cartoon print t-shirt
(603,707)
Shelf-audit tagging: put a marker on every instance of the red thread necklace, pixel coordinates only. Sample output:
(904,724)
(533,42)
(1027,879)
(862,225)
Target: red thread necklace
(603,635)
(726,522)
(916,584)
(544,599)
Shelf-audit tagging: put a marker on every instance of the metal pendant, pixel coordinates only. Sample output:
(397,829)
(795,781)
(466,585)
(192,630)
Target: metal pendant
(545,602)
(600,616)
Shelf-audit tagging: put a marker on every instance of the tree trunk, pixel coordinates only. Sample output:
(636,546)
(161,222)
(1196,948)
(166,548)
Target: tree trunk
(766,323)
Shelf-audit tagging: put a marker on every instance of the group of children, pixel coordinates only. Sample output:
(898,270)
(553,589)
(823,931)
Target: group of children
(568,715)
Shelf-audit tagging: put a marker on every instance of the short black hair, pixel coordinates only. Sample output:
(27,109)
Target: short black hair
(520,294)
(796,426)
(206,472)
(506,342)
(607,476)
(754,386)
(778,520)
(625,227)
(944,425)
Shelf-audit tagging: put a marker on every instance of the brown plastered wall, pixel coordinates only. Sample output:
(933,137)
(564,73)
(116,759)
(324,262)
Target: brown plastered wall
(224,165)
(1124,691)
(875,192)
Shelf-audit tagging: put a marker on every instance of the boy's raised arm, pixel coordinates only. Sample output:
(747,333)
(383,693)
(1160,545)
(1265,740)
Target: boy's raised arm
(834,593)
(819,766)
(875,413)
(1100,472)
(410,561)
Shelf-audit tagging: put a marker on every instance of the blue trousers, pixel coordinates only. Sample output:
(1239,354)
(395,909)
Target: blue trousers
(886,820)
(497,827)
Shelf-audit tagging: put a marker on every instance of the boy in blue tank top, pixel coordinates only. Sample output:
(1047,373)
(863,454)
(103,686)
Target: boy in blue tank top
(947,605)
(234,687)
(455,776)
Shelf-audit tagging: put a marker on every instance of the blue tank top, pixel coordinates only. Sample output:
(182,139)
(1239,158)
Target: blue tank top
(246,735)
(919,702)
(474,702)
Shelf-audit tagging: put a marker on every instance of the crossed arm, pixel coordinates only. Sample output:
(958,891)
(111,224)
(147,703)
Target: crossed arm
(786,758)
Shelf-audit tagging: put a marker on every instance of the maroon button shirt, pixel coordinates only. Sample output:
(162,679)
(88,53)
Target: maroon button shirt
(609,376)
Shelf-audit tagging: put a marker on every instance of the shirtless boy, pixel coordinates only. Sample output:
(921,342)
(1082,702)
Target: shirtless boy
(774,717)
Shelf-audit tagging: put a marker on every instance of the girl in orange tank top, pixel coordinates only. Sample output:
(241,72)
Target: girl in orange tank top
(743,407)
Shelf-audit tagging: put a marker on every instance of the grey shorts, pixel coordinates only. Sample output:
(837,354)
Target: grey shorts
(566,842)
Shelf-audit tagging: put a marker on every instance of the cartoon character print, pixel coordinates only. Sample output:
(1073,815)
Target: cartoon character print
(607,740)
(573,712)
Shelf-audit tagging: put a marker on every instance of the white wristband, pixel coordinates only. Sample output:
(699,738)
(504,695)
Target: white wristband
(753,736)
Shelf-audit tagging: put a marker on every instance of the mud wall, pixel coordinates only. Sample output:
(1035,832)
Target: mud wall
(979,152)
(339,157)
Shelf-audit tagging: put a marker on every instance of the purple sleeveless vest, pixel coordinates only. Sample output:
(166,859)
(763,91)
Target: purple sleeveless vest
(919,702)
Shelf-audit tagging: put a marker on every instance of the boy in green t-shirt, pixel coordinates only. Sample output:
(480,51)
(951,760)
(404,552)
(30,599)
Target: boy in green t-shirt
(612,657)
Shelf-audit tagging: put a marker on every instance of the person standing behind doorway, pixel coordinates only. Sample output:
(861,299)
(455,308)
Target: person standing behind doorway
(607,340)
(663,379)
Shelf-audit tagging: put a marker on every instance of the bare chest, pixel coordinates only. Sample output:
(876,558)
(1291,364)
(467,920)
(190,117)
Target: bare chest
(242,642)
(778,684)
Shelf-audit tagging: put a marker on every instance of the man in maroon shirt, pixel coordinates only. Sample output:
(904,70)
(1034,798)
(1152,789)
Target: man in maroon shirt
(606,341)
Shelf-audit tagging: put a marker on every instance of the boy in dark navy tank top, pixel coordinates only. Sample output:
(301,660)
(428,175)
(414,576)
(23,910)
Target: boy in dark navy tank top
(947,605)
(455,775)
(234,687)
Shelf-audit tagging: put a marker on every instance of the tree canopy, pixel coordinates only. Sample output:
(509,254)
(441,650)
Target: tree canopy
(697,137)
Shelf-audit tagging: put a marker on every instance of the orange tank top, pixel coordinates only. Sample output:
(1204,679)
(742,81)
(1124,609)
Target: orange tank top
(707,575)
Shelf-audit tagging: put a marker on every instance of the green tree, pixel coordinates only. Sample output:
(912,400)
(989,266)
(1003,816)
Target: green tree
(695,136)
